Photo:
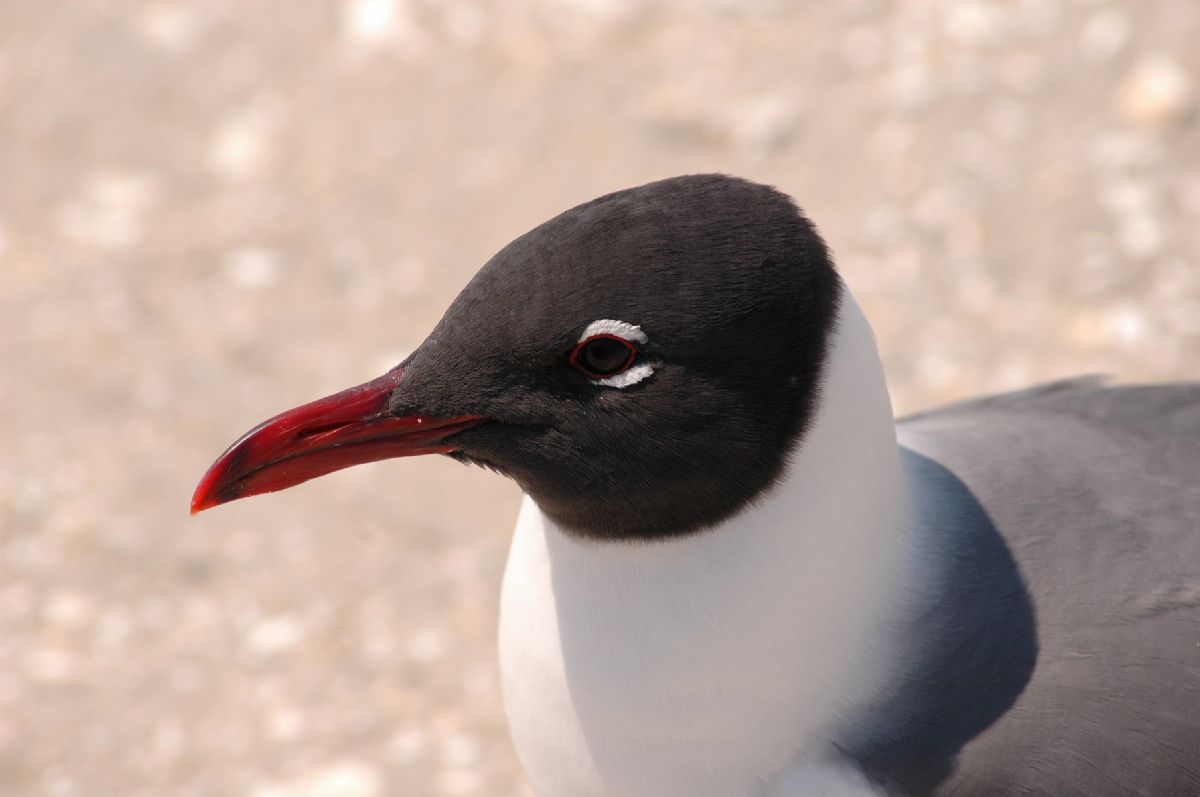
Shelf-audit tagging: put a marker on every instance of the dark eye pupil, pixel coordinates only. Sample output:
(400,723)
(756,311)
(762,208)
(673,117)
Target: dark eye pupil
(605,356)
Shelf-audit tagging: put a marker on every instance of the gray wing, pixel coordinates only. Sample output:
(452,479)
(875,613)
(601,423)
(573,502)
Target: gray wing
(1095,492)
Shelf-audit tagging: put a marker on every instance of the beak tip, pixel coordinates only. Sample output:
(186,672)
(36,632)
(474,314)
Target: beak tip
(205,496)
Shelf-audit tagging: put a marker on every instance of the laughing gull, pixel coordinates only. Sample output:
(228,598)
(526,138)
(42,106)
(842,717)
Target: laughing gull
(734,573)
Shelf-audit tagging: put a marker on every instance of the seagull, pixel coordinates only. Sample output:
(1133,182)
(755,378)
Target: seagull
(735,573)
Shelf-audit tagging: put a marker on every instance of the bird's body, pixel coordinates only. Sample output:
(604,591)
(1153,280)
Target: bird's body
(735,575)
(897,611)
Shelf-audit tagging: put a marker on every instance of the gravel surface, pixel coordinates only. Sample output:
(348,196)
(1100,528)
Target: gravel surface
(212,210)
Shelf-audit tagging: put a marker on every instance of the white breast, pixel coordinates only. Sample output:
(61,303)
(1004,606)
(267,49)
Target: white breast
(723,662)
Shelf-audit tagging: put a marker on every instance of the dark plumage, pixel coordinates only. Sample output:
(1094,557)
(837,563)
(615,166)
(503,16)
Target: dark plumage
(736,371)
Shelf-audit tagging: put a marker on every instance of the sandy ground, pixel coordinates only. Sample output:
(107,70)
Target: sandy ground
(212,210)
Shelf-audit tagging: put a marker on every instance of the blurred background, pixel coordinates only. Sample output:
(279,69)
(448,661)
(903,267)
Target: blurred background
(213,210)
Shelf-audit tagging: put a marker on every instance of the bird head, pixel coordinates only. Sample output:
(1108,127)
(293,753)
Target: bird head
(641,365)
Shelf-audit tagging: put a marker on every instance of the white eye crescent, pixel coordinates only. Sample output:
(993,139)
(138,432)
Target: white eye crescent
(619,329)
(607,352)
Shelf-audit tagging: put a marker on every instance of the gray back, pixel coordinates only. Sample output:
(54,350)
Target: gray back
(1095,493)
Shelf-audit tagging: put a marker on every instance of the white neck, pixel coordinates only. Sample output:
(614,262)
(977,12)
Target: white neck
(709,664)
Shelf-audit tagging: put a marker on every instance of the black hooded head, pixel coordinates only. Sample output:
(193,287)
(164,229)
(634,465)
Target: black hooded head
(708,302)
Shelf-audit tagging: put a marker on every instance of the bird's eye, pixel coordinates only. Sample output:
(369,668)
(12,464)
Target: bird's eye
(601,356)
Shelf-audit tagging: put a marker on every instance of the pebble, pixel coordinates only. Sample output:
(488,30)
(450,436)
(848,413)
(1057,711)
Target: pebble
(241,145)
(371,25)
(172,26)
(345,779)
(426,646)
(1115,151)
(349,778)
(460,750)
(408,745)
(1105,34)
(939,369)
(1127,326)
(455,782)
(863,48)
(884,226)
(58,784)
(763,125)
(372,20)
(52,665)
(252,267)
(286,723)
(910,88)
(1124,195)
(1155,90)
(972,24)
(168,740)
(68,609)
(1140,235)
(275,635)
(109,212)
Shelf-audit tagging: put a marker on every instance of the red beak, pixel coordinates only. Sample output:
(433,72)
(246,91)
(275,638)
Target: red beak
(347,428)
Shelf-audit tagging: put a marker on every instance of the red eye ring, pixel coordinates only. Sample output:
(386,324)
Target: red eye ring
(595,364)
